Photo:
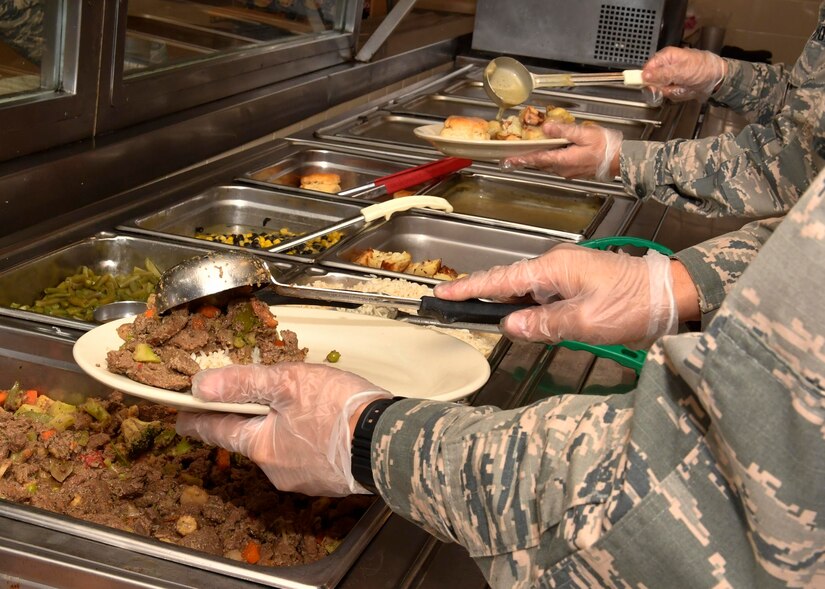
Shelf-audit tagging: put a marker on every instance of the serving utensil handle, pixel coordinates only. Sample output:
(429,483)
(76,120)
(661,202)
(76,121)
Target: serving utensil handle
(469,311)
(421,174)
(405,203)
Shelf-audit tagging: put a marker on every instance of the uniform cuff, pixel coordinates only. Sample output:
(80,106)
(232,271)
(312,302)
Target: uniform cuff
(639,163)
(710,287)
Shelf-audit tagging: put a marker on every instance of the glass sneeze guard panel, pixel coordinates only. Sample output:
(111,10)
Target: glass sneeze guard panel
(31,47)
(164,33)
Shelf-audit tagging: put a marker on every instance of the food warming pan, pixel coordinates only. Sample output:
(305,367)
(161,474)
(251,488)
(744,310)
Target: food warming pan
(44,362)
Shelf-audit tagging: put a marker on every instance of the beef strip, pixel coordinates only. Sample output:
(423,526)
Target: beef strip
(246,324)
(189,339)
(178,360)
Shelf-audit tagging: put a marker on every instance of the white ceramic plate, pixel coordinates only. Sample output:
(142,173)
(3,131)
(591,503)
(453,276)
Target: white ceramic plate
(407,360)
(492,150)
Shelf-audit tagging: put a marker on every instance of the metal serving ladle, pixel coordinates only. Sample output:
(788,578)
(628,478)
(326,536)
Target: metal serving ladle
(509,83)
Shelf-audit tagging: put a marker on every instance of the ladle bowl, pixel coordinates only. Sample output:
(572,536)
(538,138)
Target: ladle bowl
(208,275)
(507,82)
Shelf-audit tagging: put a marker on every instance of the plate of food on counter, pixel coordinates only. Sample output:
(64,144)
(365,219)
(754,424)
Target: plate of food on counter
(479,139)
(154,357)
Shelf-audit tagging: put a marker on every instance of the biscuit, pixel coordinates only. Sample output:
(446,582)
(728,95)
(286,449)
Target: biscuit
(322,182)
(467,128)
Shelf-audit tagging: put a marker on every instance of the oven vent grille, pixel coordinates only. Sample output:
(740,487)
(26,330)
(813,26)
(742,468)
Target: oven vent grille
(625,34)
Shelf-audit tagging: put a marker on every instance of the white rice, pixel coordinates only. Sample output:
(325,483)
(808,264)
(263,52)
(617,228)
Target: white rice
(481,341)
(397,287)
(220,358)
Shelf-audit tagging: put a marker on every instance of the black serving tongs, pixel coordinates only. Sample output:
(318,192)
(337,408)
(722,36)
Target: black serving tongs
(219,272)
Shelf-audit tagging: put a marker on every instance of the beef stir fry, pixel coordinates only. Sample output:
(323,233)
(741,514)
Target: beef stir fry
(166,351)
(124,467)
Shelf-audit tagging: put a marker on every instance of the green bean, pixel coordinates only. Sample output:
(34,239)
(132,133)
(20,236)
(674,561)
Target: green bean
(152,268)
(79,294)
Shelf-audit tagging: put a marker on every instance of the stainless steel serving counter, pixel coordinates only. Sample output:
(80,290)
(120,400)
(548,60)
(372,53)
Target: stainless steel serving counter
(398,555)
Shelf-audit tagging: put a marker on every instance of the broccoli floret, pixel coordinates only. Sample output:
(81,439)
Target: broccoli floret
(138,436)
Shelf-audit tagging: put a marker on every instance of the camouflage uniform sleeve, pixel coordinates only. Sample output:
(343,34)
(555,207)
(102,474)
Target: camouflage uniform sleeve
(715,265)
(454,467)
(761,171)
(757,91)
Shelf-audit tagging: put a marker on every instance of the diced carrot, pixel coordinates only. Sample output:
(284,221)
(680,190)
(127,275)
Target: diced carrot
(222,458)
(149,313)
(280,343)
(92,459)
(251,552)
(30,397)
(3,396)
(46,434)
(270,320)
(197,322)
(209,311)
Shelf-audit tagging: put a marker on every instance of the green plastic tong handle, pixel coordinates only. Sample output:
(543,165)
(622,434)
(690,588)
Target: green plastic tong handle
(622,355)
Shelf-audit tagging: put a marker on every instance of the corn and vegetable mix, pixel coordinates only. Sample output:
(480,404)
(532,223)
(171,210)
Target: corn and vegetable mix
(78,295)
(268,239)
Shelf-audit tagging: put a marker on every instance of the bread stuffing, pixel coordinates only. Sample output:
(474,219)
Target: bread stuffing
(402,262)
(524,126)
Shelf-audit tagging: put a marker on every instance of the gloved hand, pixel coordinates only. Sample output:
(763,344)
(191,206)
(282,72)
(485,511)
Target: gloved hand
(304,443)
(685,74)
(590,155)
(606,297)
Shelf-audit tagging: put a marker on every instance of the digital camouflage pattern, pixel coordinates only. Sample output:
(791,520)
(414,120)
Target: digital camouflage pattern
(761,171)
(716,264)
(21,27)
(711,473)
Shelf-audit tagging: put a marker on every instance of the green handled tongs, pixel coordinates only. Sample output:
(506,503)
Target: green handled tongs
(622,355)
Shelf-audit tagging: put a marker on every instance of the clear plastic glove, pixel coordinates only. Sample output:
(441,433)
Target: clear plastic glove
(590,154)
(605,297)
(685,74)
(304,443)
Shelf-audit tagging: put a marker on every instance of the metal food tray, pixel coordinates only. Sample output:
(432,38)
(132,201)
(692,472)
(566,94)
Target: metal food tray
(45,363)
(354,170)
(565,211)
(465,247)
(380,129)
(238,208)
(103,253)
(597,100)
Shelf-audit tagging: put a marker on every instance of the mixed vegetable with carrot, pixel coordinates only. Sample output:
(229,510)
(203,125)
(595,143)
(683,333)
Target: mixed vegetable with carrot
(124,466)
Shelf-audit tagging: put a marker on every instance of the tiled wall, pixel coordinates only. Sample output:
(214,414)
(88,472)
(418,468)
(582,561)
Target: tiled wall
(780,26)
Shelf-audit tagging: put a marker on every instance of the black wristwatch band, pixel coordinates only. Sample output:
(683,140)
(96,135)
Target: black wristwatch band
(362,441)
